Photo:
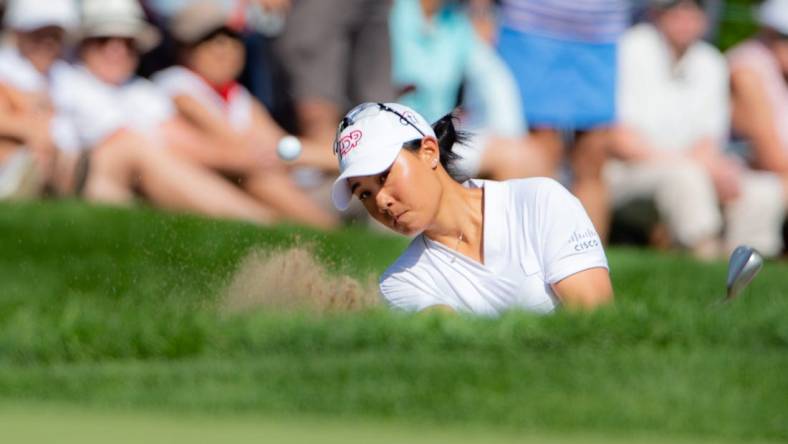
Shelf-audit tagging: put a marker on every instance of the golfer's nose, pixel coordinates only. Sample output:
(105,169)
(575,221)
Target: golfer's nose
(384,201)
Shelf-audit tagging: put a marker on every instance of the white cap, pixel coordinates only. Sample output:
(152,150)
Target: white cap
(118,18)
(372,142)
(774,14)
(29,15)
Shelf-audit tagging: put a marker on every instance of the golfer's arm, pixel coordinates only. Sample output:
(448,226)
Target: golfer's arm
(585,290)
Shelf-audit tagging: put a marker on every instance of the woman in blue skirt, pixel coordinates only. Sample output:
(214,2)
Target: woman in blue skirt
(563,56)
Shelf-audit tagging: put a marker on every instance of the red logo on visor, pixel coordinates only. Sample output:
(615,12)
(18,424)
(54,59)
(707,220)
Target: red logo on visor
(349,142)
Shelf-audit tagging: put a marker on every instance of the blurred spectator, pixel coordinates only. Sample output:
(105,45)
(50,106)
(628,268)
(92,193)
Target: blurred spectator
(240,136)
(30,131)
(441,32)
(109,170)
(673,107)
(102,95)
(337,54)
(759,68)
(563,55)
(258,22)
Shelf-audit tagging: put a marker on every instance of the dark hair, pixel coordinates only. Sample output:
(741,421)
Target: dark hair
(668,4)
(184,49)
(448,135)
(225,31)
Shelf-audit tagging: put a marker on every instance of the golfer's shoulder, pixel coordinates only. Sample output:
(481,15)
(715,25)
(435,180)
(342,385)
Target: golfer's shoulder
(534,190)
(408,283)
(408,266)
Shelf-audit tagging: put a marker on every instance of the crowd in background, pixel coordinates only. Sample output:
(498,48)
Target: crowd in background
(183,103)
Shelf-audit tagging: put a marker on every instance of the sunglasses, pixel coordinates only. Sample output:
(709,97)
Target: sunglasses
(365,111)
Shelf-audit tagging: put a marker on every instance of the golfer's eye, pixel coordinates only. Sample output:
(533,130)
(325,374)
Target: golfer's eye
(383,177)
(362,196)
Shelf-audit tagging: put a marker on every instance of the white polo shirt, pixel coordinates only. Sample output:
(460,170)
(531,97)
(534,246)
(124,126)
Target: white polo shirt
(672,103)
(99,109)
(17,72)
(535,235)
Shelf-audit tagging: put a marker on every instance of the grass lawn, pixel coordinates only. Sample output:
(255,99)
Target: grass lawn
(37,425)
(106,309)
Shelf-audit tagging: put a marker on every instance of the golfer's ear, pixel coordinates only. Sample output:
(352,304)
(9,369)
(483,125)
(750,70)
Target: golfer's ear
(429,151)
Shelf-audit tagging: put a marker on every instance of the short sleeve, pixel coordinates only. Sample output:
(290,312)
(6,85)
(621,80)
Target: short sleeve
(569,243)
(400,293)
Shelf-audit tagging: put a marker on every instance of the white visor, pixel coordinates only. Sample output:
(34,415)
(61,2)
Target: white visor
(369,140)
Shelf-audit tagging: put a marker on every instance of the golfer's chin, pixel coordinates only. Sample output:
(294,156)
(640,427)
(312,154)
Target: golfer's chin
(406,229)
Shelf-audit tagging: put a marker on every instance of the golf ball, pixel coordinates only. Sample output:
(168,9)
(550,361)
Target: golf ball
(289,148)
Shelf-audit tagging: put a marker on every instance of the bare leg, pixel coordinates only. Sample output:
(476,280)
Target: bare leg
(169,182)
(318,120)
(549,141)
(277,189)
(588,159)
(270,186)
(510,158)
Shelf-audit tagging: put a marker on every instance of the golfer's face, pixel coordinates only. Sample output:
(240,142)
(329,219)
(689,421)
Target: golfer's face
(402,198)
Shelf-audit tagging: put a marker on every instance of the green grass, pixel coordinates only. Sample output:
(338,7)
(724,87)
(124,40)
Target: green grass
(33,425)
(110,308)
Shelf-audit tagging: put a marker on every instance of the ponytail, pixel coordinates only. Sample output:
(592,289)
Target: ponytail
(448,135)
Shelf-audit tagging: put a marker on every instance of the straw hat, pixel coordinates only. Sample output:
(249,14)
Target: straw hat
(118,18)
(197,20)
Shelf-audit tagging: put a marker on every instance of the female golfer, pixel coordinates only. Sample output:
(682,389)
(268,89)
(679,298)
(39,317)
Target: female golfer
(480,246)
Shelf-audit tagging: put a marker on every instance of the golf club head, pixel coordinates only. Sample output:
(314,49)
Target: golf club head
(744,264)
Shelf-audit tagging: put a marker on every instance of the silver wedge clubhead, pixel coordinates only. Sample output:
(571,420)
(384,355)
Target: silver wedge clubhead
(744,265)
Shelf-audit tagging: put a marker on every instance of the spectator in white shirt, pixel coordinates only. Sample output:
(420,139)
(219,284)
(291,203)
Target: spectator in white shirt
(674,123)
(239,136)
(109,171)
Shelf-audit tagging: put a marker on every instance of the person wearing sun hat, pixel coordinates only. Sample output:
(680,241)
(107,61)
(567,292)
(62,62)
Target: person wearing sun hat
(30,61)
(103,94)
(118,18)
(39,29)
(480,246)
(106,100)
(109,170)
(242,137)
